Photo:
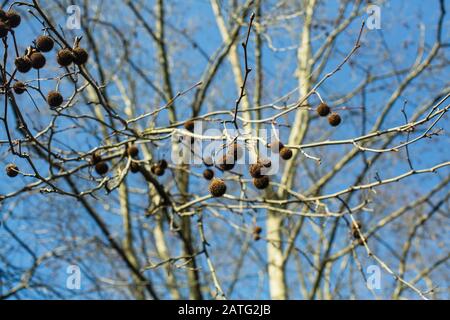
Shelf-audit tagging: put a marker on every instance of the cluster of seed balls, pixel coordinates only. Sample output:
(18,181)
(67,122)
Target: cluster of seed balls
(101,165)
(34,58)
(323,110)
(356,235)
(217,187)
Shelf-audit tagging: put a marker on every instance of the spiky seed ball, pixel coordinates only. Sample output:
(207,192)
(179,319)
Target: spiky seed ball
(226,163)
(132,151)
(262,182)
(2,15)
(217,187)
(64,57)
(334,119)
(3,29)
(163,163)
(208,161)
(255,170)
(276,146)
(80,56)
(266,162)
(54,99)
(323,109)
(44,43)
(96,157)
(285,153)
(13,18)
(134,167)
(257,230)
(23,64)
(101,168)
(19,87)
(37,60)
(12,170)
(208,174)
(189,125)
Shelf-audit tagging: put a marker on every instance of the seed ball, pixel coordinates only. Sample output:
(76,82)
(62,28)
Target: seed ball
(37,60)
(257,230)
(276,146)
(23,64)
(2,15)
(12,170)
(54,99)
(132,151)
(44,43)
(80,56)
(19,87)
(217,187)
(157,170)
(208,174)
(96,157)
(3,29)
(101,168)
(323,109)
(189,125)
(227,163)
(262,182)
(13,18)
(163,163)
(208,161)
(255,170)
(64,57)
(134,167)
(256,237)
(285,153)
(334,119)
(355,227)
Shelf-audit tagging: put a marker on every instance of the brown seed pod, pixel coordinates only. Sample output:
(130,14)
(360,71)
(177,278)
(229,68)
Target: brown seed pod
(208,174)
(255,170)
(23,64)
(323,109)
(101,168)
(208,161)
(96,157)
(189,125)
(157,170)
(285,153)
(217,187)
(19,87)
(54,99)
(256,237)
(80,56)
(13,18)
(257,230)
(37,60)
(132,151)
(12,170)
(334,119)
(261,183)
(355,227)
(64,57)
(3,29)
(163,163)
(44,43)
(134,167)
(226,163)
(276,146)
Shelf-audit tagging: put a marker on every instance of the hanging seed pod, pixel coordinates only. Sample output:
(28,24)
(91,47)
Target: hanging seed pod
(64,57)
(54,99)
(19,87)
(96,157)
(208,174)
(80,56)
(23,64)
(189,125)
(37,60)
(101,168)
(227,163)
(11,170)
(217,187)
(134,167)
(285,153)
(262,182)
(163,164)
(323,109)
(3,29)
(13,19)
(44,43)
(255,170)
(132,151)
(334,119)
(257,230)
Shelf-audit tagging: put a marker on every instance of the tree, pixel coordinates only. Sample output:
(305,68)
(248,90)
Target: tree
(120,139)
